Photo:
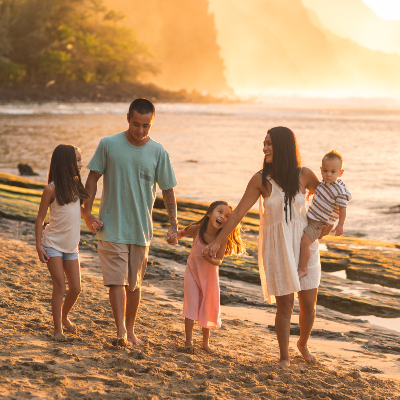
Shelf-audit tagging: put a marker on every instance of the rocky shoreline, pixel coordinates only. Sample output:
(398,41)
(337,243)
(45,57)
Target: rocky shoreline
(356,360)
(369,283)
(81,92)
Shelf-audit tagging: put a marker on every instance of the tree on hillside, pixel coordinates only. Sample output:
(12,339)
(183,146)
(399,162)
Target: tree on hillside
(46,40)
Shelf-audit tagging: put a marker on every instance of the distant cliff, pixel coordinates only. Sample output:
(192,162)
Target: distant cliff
(182,36)
(269,44)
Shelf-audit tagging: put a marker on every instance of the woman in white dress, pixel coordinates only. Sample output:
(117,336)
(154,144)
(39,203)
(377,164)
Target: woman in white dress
(281,187)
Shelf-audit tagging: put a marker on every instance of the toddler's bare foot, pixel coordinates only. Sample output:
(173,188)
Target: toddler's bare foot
(134,340)
(302,273)
(283,364)
(69,326)
(310,359)
(59,337)
(207,348)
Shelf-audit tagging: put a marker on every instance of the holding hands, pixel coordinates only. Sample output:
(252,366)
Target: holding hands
(93,223)
(211,250)
(173,235)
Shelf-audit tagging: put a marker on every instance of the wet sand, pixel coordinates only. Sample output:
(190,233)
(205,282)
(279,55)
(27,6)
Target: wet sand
(242,367)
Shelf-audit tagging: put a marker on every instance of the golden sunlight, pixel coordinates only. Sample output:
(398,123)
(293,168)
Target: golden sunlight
(386,9)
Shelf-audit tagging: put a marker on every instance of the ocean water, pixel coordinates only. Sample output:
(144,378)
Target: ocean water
(215,149)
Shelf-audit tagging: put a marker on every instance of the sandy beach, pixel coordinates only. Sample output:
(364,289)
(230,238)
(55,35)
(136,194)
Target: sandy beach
(242,367)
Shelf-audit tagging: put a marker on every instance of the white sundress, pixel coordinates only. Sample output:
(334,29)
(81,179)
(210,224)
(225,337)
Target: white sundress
(279,246)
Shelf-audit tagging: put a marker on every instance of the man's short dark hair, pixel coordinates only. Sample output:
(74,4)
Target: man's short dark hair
(142,106)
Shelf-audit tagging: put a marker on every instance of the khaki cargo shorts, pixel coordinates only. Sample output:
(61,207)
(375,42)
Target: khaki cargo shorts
(122,264)
(312,230)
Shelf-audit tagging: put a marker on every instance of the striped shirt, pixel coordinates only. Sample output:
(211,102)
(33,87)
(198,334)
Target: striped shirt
(327,199)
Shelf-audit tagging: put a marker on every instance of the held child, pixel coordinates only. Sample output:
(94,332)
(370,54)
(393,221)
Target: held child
(201,282)
(329,204)
(58,248)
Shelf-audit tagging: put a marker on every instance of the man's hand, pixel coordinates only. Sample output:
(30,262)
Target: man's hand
(93,223)
(172,235)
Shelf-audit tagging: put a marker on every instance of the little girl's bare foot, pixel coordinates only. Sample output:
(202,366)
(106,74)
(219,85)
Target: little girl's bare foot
(69,326)
(207,349)
(283,364)
(310,359)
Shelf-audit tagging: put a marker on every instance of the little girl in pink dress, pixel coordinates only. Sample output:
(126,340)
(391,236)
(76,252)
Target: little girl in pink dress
(201,283)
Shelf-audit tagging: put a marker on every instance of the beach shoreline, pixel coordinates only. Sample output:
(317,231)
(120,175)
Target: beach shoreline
(356,359)
(88,366)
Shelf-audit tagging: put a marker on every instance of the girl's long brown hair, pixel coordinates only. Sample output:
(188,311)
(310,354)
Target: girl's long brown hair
(235,243)
(64,173)
(285,166)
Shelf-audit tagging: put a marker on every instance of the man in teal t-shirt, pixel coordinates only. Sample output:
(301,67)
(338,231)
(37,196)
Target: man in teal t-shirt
(131,164)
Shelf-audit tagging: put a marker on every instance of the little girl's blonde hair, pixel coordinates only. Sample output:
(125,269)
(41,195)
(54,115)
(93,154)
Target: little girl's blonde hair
(235,243)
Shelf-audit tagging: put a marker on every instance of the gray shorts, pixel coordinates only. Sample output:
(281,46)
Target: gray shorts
(312,230)
(122,264)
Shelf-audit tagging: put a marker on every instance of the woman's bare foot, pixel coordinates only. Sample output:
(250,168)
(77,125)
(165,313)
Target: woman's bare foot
(69,326)
(283,364)
(310,359)
(59,337)
(134,340)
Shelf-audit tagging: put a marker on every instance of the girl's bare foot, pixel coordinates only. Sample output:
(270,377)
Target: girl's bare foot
(310,359)
(134,340)
(188,344)
(207,348)
(69,326)
(283,364)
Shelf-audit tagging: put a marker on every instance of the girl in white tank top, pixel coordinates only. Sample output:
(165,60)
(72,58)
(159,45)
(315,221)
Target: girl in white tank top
(58,247)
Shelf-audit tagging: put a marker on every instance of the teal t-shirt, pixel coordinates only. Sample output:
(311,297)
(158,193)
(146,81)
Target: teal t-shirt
(130,174)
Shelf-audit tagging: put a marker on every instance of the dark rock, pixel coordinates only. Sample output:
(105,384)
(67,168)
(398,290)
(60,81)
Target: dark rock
(26,170)
(371,370)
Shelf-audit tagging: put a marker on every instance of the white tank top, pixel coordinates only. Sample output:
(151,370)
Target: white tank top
(64,229)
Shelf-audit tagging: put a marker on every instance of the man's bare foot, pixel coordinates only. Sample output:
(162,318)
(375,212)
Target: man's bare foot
(283,364)
(69,326)
(59,337)
(207,348)
(310,359)
(134,340)
(302,273)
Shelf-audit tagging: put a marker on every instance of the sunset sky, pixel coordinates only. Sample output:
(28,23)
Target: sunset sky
(386,9)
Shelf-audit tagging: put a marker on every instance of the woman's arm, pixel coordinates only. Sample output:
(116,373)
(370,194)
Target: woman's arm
(217,260)
(250,196)
(308,179)
(48,197)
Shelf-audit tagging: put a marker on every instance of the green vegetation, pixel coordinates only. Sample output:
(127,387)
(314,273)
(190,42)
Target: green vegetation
(42,41)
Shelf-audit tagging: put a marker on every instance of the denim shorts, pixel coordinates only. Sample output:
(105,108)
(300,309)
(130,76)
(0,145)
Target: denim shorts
(65,256)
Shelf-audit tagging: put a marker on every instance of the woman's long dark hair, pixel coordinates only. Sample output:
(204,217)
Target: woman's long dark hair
(64,173)
(286,164)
